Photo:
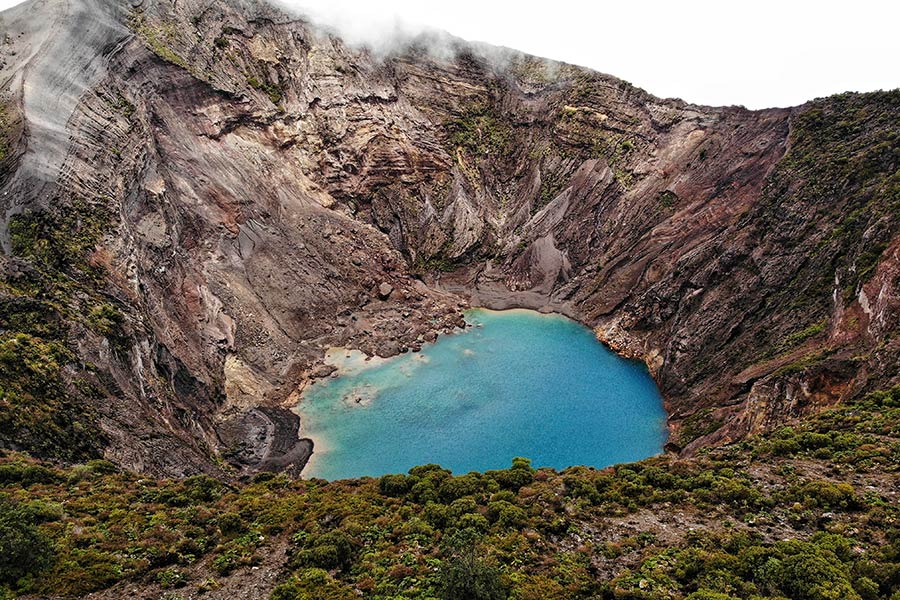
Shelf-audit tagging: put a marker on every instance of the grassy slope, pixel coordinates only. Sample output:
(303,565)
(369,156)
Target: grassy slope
(809,512)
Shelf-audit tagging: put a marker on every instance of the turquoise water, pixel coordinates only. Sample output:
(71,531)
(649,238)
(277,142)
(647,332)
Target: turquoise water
(518,383)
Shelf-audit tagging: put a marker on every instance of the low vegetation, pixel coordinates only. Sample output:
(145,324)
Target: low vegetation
(273,91)
(160,39)
(480,131)
(843,162)
(697,425)
(45,392)
(4,128)
(808,513)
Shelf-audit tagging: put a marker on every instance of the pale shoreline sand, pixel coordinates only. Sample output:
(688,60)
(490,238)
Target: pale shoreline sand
(348,362)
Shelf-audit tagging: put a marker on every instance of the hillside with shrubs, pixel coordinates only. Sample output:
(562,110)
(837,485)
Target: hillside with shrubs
(809,512)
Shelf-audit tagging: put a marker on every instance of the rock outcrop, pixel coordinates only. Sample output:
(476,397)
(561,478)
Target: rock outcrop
(199,198)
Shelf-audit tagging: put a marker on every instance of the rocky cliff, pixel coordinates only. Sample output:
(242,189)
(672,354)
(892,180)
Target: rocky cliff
(200,197)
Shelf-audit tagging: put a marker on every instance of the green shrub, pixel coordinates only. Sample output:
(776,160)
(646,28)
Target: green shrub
(464,575)
(424,492)
(331,550)
(506,514)
(395,486)
(25,474)
(436,514)
(474,522)
(516,477)
(453,488)
(461,507)
(87,570)
(231,524)
(480,130)
(815,575)
(171,578)
(24,550)
(827,495)
(313,584)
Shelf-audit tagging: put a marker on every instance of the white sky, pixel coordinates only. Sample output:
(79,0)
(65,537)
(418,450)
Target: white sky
(758,53)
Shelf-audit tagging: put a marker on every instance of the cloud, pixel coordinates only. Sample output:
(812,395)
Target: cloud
(760,54)
(384,30)
(364,25)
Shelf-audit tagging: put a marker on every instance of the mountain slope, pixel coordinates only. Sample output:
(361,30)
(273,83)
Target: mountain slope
(224,191)
(808,513)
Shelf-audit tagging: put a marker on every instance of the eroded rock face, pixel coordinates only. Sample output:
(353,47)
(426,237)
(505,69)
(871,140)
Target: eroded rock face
(268,192)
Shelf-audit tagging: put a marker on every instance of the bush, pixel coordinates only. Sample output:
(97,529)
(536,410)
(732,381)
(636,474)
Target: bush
(332,550)
(812,575)
(313,584)
(457,487)
(24,550)
(506,514)
(462,507)
(824,494)
(171,578)
(536,587)
(429,471)
(437,515)
(887,398)
(521,474)
(25,474)
(473,521)
(87,570)
(424,492)
(464,575)
(231,524)
(202,488)
(394,486)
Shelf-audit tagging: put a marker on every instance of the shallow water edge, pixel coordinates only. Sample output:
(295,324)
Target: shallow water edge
(484,422)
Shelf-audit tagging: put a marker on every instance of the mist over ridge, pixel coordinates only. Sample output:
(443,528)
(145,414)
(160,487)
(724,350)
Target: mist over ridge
(776,54)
